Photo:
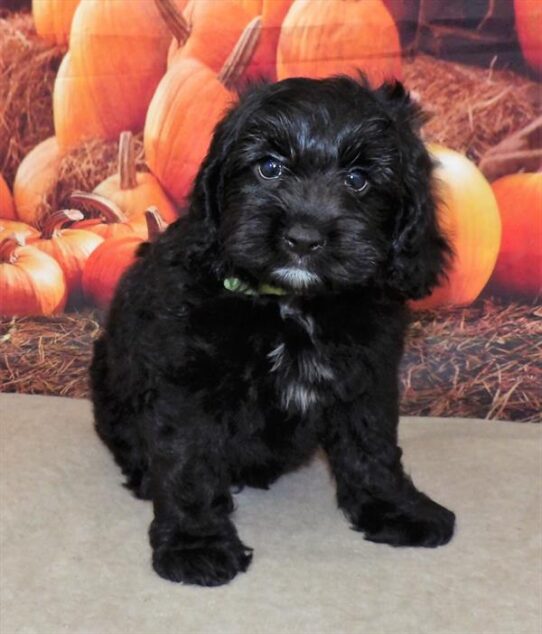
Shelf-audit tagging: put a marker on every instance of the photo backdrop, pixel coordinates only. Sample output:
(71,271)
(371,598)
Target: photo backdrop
(106,111)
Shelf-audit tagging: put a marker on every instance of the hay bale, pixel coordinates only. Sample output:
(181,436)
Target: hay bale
(47,355)
(472,108)
(482,361)
(27,72)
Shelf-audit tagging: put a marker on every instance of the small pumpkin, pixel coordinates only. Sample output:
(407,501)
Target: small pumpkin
(116,58)
(71,248)
(31,282)
(35,176)
(184,111)
(134,192)
(106,218)
(320,38)
(9,227)
(53,18)
(109,261)
(529,29)
(518,271)
(7,207)
(469,216)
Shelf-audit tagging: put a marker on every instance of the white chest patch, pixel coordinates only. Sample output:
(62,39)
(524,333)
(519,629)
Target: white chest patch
(301,375)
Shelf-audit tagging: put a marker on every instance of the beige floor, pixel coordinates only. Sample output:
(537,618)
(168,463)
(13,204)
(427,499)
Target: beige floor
(74,556)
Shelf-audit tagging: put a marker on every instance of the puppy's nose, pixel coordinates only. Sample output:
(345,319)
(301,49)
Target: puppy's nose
(301,239)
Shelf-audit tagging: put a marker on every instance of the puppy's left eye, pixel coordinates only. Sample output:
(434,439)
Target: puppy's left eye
(356,180)
(269,168)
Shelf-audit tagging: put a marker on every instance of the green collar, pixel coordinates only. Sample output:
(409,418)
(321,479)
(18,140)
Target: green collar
(235,285)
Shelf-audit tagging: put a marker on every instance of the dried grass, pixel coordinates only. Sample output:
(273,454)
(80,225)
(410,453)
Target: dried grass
(47,355)
(483,361)
(27,72)
(473,108)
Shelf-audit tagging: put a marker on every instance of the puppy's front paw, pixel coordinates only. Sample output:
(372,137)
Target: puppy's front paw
(205,562)
(428,525)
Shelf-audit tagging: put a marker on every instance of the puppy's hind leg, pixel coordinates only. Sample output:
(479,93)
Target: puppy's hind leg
(116,425)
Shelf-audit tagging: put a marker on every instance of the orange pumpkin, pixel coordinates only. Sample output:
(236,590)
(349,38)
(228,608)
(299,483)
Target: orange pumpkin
(179,126)
(53,18)
(518,271)
(106,218)
(117,56)
(76,118)
(320,38)
(469,216)
(529,30)
(7,208)
(135,192)
(71,248)
(207,30)
(9,227)
(35,175)
(31,282)
(109,261)
(264,60)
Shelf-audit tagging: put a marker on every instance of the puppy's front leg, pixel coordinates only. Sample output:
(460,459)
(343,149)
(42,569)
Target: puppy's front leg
(192,537)
(372,488)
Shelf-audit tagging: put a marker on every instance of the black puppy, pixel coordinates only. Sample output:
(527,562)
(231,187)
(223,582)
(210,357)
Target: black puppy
(270,320)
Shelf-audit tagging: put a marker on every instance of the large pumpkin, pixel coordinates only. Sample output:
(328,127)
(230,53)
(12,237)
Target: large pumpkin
(187,105)
(529,30)
(35,176)
(207,30)
(76,118)
(7,207)
(117,55)
(70,247)
(109,261)
(31,282)
(518,271)
(469,216)
(264,60)
(53,19)
(320,38)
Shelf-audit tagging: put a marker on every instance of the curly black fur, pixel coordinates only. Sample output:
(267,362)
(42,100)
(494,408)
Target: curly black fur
(197,388)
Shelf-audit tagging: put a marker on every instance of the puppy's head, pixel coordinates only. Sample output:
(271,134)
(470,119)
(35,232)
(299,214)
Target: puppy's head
(322,185)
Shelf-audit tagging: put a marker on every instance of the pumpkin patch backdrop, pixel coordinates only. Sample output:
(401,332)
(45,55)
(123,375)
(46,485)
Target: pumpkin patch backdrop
(106,111)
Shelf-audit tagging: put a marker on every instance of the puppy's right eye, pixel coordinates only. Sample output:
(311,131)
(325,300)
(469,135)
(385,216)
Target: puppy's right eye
(269,168)
(356,180)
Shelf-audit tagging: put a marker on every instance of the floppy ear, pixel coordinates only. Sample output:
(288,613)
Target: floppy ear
(192,241)
(420,252)
(206,197)
(207,194)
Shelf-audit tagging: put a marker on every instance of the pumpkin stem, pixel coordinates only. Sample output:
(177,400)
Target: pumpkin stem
(98,206)
(240,57)
(155,222)
(58,219)
(9,244)
(174,19)
(127,166)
